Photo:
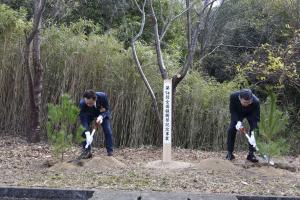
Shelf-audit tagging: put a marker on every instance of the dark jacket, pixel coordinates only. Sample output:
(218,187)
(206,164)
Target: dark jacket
(87,114)
(238,112)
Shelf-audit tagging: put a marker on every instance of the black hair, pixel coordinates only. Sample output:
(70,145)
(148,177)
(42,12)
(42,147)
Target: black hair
(89,94)
(246,94)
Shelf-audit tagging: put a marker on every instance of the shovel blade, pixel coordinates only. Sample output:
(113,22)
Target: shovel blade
(267,159)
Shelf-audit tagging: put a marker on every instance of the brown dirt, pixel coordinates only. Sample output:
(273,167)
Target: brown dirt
(216,164)
(22,164)
(269,171)
(103,162)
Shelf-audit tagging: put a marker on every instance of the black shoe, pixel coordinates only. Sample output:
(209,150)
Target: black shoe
(86,154)
(230,156)
(110,154)
(252,158)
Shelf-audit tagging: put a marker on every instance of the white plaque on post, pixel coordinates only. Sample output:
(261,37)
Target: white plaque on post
(167,120)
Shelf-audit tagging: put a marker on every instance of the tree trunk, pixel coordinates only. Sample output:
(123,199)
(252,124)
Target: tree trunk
(34,80)
(31,135)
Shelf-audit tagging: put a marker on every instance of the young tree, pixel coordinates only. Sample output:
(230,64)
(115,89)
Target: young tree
(272,122)
(62,121)
(35,76)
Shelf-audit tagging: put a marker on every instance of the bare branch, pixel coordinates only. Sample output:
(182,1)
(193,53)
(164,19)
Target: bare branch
(168,24)
(142,23)
(161,15)
(216,13)
(210,52)
(202,11)
(189,25)
(239,46)
(160,61)
(203,37)
(137,5)
(191,52)
(138,65)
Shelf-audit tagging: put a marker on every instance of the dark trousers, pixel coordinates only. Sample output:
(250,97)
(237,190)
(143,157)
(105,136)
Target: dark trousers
(106,127)
(231,132)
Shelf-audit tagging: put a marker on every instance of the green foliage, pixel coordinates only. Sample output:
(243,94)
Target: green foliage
(174,41)
(251,20)
(86,27)
(128,28)
(277,67)
(218,66)
(105,12)
(271,67)
(11,21)
(243,26)
(78,54)
(271,124)
(201,115)
(62,120)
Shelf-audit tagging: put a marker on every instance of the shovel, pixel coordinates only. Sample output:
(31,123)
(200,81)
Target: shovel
(77,160)
(92,135)
(252,141)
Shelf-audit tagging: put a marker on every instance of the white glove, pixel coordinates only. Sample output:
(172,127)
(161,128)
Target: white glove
(251,140)
(99,119)
(89,139)
(239,125)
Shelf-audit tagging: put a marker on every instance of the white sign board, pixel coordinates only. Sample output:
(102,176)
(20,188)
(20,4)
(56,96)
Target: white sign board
(167,106)
(167,120)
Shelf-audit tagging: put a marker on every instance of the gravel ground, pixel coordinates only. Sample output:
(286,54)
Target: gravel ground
(23,164)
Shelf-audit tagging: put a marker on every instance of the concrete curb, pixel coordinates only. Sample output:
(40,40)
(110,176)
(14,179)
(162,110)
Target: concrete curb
(45,193)
(240,197)
(144,195)
(20,193)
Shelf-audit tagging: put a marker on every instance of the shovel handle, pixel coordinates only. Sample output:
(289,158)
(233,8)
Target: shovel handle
(93,132)
(243,130)
(94,129)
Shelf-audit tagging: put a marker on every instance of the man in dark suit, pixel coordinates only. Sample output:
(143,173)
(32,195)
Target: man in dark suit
(243,104)
(94,105)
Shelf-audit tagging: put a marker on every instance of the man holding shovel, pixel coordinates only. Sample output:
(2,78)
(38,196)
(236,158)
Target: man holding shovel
(94,105)
(243,104)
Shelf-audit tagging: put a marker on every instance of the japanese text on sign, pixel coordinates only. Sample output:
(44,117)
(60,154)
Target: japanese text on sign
(167,112)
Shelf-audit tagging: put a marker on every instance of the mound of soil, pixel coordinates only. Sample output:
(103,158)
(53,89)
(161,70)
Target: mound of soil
(216,165)
(104,162)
